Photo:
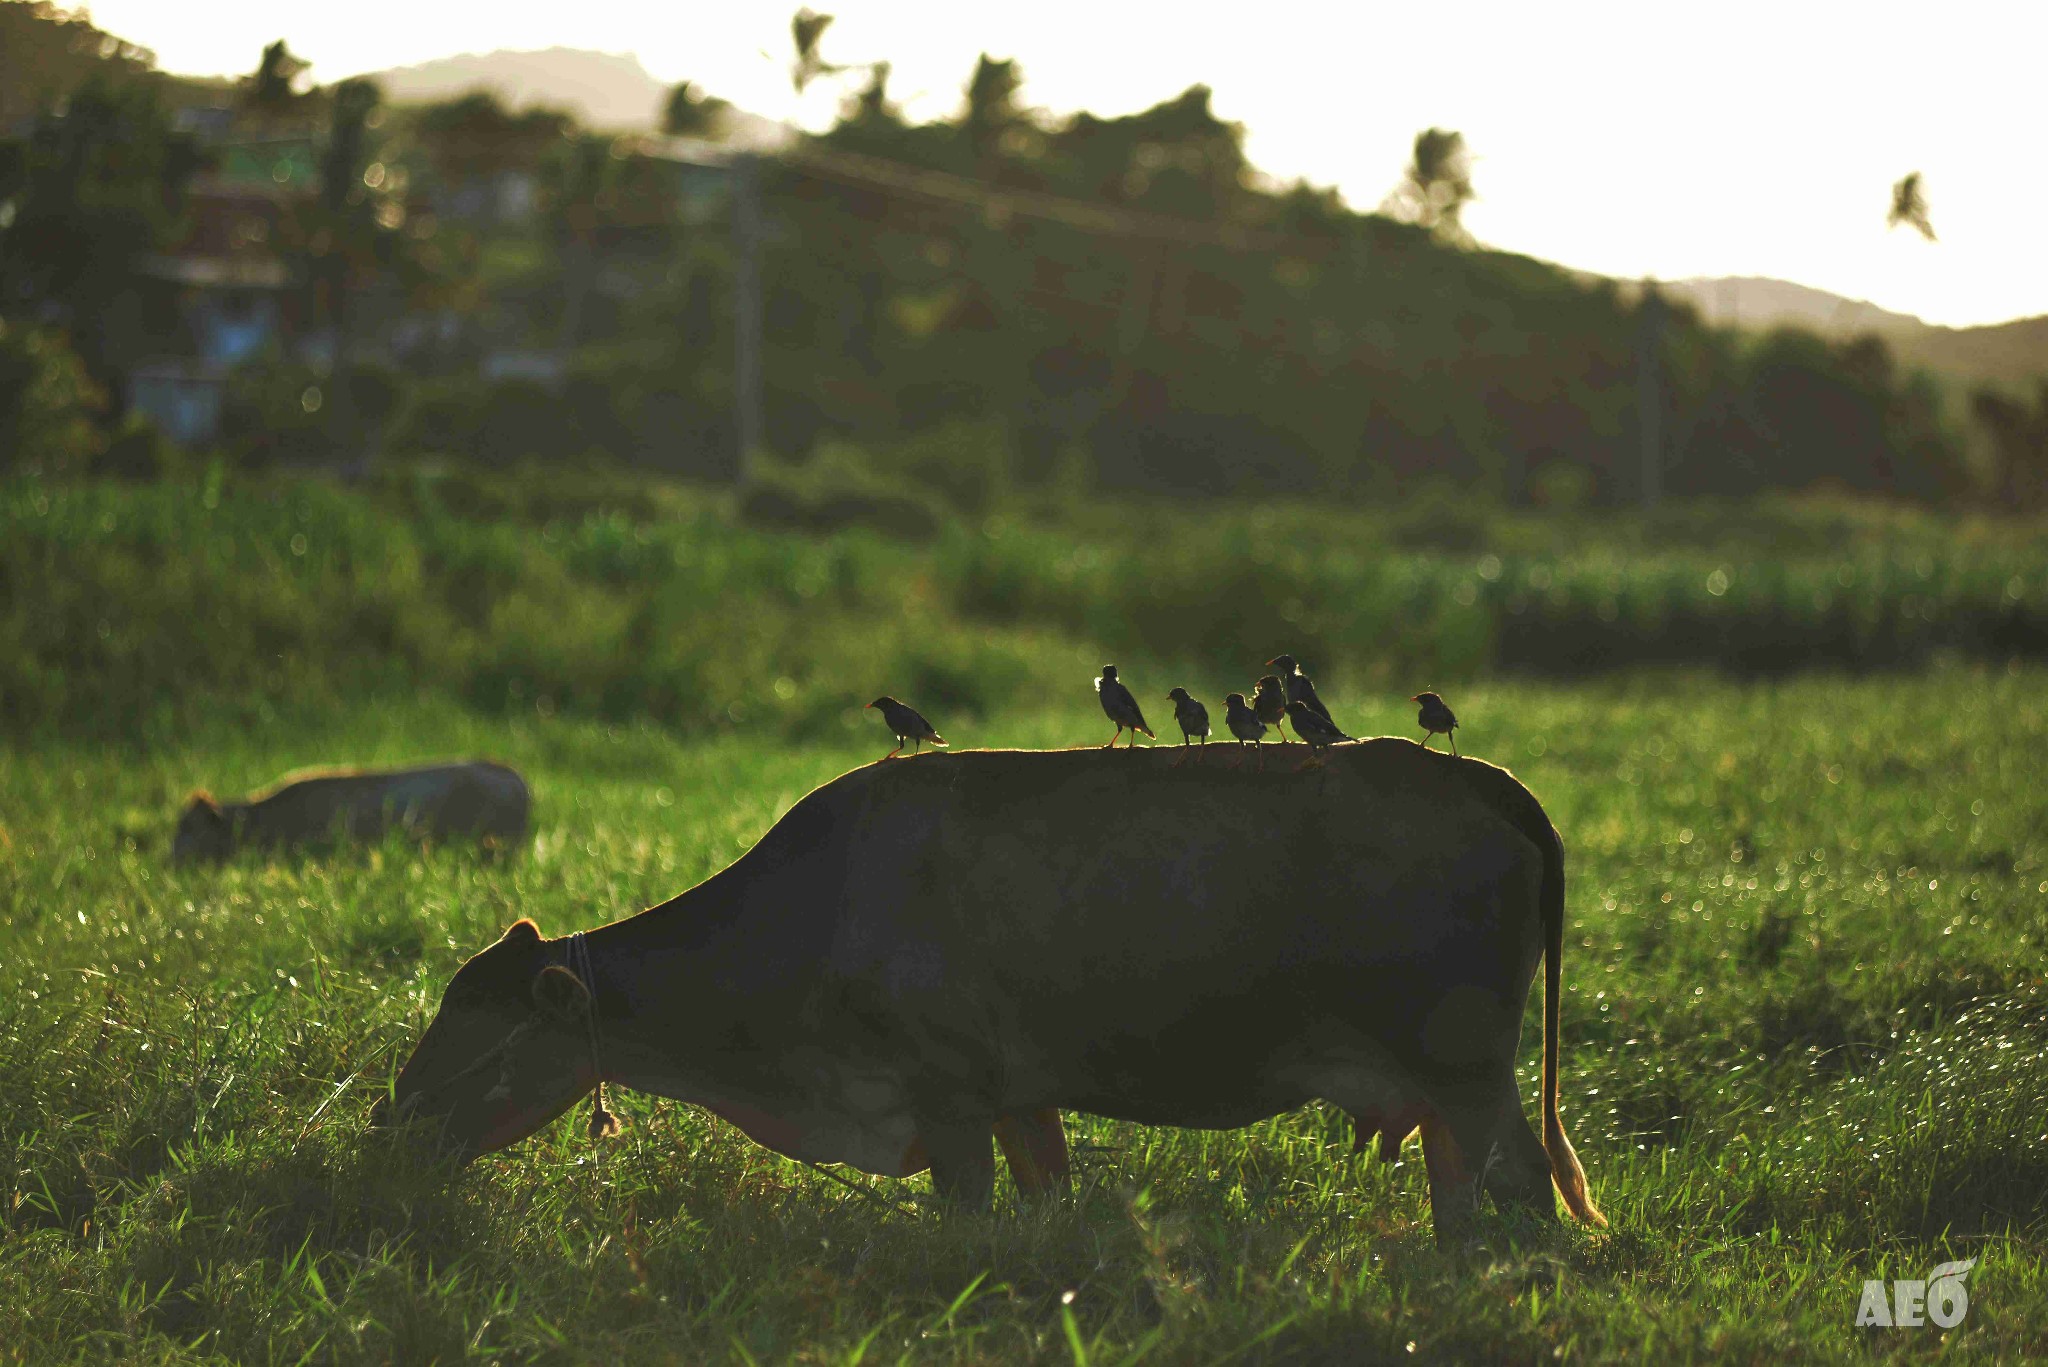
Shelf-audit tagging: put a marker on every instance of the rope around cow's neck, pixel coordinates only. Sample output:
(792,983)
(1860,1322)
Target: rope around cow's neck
(602,1122)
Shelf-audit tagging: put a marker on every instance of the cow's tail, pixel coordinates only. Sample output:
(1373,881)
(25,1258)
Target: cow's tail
(1564,1163)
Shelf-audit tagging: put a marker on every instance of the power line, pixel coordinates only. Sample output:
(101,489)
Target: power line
(997,201)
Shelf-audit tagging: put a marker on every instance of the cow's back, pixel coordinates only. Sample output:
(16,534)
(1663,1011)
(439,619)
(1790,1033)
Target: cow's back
(473,799)
(1100,912)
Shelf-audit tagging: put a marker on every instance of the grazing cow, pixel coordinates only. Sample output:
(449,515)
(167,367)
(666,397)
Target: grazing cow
(917,953)
(475,799)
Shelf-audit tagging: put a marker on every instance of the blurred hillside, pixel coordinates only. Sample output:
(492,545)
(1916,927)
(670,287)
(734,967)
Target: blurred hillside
(1006,303)
(2011,353)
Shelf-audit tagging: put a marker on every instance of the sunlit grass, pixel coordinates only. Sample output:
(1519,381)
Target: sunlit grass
(139,609)
(1805,1038)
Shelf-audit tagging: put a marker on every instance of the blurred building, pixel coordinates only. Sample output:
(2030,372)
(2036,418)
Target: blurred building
(232,289)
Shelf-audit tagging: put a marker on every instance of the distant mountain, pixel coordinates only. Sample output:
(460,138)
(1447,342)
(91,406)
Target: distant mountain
(2007,353)
(1756,302)
(607,90)
(610,91)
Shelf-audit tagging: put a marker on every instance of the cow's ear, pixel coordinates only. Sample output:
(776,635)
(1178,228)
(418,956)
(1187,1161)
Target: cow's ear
(561,993)
(522,933)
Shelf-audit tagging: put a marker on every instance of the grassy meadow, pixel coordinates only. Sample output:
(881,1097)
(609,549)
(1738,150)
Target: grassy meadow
(1795,749)
(1806,1043)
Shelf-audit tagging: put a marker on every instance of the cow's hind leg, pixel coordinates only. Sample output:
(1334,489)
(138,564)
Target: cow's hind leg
(963,1168)
(1453,1190)
(1518,1179)
(1494,1148)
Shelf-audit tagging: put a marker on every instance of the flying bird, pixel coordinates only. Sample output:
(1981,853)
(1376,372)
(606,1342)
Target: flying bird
(1120,707)
(1192,717)
(1315,728)
(1299,689)
(906,723)
(1269,702)
(1436,719)
(1245,725)
(1909,206)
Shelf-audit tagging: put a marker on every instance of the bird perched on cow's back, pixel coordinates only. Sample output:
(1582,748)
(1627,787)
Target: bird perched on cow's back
(906,723)
(1119,706)
(1245,725)
(1436,719)
(1296,683)
(1191,716)
(1315,728)
(1269,703)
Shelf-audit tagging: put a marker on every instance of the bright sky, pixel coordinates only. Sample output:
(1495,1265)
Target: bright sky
(1641,138)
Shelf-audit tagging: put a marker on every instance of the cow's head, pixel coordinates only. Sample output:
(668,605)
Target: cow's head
(204,831)
(508,1051)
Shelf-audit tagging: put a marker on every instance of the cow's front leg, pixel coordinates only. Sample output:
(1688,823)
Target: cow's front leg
(963,1167)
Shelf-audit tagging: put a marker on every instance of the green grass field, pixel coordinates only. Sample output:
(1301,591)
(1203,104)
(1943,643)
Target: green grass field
(1806,1044)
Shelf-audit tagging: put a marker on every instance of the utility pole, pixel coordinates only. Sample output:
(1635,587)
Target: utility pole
(746,370)
(1650,392)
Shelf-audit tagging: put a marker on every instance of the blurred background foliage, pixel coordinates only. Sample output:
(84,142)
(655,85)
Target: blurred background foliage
(304,390)
(1122,303)
(128,610)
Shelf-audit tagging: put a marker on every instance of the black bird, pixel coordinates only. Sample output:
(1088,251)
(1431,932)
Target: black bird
(1316,729)
(1436,719)
(1245,725)
(1299,689)
(1193,719)
(906,723)
(1269,702)
(1120,707)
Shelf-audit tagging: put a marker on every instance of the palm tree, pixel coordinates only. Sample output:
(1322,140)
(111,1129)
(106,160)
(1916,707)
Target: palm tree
(806,29)
(1437,185)
(272,89)
(691,113)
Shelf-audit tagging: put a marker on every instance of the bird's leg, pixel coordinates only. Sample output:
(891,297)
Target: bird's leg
(1453,739)
(1183,752)
(1113,739)
(1427,737)
(1314,760)
(897,751)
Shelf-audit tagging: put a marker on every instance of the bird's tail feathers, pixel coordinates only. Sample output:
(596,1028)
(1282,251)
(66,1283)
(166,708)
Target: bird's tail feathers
(936,739)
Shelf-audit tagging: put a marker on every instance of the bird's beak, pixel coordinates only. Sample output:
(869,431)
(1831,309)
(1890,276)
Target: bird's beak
(1414,697)
(869,707)
(1269,664)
